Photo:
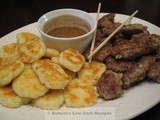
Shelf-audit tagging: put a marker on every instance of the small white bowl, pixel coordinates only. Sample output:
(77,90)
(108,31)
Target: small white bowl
(79,43)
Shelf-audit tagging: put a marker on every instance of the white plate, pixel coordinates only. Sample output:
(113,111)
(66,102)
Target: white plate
(135,100)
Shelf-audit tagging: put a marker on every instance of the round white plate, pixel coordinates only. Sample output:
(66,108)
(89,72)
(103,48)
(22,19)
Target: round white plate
(134,101)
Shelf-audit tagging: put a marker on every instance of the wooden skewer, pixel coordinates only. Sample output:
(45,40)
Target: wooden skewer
(111,35)
(94,36)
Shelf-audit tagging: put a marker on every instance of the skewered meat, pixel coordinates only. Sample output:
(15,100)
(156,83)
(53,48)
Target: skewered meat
(115,38)
(131,29)
(101,54)
(107,24)
(138,71)
(99,35)
(117,65)
(130,43)
(119,41)
(105,19)
(101,40)
(154,72)
(110,28)
(134,48)
(110,85)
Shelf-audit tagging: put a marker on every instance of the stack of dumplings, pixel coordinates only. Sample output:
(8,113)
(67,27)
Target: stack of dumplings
(44,77)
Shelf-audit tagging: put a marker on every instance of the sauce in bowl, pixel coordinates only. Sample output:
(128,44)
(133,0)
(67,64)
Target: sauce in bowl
(66,26)
(66,32)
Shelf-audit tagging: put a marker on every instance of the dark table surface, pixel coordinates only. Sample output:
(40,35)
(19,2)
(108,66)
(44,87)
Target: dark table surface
(17,13)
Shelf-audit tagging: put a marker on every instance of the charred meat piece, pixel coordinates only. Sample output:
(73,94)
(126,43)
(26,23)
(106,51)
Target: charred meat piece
(154,72)
(101,40)
(153,37)
(101,54)
(156,38)
(117,65)
(110,28)
(105,19)
(119,41)
(107,24)
(134,48)
(110,85)
(131,29)
(138,71)
(99,35)
(140,36)
(118,36)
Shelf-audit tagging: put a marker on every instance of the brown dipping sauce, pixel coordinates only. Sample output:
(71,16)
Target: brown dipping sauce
(66,26)
(66,32)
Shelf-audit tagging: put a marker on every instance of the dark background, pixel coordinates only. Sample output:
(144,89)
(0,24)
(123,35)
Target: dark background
(17,13)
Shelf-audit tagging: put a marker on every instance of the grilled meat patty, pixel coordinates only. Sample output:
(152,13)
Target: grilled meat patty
(134,48)
(138,71)
(99,35)
(110,28)
(154,72)
(101,54)
(105,19)
(132,29)
(118,65)
(110,85)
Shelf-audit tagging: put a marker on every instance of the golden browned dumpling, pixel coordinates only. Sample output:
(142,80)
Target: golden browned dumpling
(72,60)
(51,53)
(56,60)
(70,74)
(26,37)
(31,48)
(9,51)
(28,85)
(92,71)
(28,66)
(52,100)
(9,69)
(80,93)
(50,74)
(9,98)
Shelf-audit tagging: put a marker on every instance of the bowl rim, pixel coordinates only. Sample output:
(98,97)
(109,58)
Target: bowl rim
(72,38)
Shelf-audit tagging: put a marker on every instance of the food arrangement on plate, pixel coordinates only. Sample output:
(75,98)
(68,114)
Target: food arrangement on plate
(47,78)
(132,53)
(32,74)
